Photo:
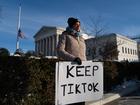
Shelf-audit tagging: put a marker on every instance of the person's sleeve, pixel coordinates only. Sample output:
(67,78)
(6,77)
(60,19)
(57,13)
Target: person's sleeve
(61,52)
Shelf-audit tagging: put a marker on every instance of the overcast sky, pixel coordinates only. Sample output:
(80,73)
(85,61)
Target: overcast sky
(121,16)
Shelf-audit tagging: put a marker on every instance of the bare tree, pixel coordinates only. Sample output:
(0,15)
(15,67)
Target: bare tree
(109,51)
(96,26)
(103,48)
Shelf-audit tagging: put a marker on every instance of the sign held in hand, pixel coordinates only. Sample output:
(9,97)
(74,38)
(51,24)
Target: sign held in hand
(78,83)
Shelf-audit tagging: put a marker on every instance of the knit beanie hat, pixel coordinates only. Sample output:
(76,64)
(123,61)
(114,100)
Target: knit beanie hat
(71,21)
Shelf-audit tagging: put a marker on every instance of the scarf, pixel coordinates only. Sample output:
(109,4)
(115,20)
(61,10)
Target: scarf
(73,32)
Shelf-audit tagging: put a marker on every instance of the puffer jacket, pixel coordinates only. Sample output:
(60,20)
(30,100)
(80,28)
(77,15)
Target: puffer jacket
(69,47)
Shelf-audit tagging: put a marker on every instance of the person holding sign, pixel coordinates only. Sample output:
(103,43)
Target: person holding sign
(71,45)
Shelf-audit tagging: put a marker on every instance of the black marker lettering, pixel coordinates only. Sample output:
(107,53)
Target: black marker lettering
(68,71)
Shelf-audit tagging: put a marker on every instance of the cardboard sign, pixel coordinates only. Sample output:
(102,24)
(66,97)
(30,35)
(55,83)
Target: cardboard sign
(78,83)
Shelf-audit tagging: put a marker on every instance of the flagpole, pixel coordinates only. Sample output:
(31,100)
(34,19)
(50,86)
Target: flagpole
(18,26)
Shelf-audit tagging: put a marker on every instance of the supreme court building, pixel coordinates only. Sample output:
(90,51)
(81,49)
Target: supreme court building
(46,40)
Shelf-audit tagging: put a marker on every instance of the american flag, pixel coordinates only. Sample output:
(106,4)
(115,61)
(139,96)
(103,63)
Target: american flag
(20,34)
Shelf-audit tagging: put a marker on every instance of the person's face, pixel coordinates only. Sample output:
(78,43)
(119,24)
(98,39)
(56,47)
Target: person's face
(76,26)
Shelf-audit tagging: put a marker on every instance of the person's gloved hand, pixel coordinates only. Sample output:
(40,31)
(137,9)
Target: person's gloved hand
(78,60)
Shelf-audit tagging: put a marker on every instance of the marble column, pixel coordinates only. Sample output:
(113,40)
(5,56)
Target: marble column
(44,46)
(35,46)
(53,45)
(47,46)
(41,46)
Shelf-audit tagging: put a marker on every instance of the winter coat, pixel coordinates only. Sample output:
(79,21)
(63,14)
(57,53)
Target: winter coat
(69,47)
